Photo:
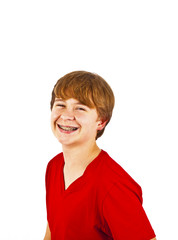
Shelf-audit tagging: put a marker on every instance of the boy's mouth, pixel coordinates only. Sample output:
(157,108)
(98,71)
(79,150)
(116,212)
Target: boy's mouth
(67,128)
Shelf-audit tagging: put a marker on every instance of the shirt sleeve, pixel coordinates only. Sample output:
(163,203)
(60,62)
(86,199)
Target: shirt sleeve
(124,215)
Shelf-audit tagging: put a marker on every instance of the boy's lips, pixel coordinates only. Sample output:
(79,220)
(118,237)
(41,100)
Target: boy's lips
(67,128)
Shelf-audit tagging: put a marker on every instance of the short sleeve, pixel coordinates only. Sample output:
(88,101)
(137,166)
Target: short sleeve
(124,215)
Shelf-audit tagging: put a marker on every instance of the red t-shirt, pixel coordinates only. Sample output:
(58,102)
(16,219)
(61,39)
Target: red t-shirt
(104,203)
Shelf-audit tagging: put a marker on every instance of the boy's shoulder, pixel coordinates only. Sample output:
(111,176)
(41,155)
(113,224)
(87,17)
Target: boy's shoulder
(113,174)
(55,162)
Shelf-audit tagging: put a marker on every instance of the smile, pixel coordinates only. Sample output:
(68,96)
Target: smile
(67,128)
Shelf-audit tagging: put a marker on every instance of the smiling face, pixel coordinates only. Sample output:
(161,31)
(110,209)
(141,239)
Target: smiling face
(74,123)
(88,88)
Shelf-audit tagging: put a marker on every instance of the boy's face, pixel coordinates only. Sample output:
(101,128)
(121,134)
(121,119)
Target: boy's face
(74,123)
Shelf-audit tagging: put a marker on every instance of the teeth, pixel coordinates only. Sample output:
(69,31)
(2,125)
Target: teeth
(68,128)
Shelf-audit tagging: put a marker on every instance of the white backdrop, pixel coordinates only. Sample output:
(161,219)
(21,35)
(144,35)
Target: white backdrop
(133,45)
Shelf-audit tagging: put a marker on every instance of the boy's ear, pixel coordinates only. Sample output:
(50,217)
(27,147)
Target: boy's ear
(101,124)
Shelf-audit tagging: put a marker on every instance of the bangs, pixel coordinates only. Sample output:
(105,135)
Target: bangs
(79,90)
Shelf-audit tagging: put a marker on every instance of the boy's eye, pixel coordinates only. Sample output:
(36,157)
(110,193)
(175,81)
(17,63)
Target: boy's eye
(81,109)
(60,105)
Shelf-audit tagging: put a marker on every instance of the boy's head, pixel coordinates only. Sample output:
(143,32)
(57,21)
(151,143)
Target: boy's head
(88,88)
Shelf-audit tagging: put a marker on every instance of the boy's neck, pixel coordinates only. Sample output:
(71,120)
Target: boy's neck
(78,157)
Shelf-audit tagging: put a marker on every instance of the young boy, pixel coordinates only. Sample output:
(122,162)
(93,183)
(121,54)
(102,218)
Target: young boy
(89,196)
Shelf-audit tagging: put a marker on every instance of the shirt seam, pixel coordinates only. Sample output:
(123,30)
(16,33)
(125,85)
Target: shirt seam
(103,218)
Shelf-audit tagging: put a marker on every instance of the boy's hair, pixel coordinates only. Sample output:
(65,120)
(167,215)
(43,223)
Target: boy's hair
(88,88)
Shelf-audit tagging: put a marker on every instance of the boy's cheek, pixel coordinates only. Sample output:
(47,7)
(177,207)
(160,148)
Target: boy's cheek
(54,115)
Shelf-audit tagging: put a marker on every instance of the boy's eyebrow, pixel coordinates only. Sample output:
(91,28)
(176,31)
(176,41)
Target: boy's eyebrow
(60,99)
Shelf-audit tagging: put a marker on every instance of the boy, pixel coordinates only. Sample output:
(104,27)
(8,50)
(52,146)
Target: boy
(89,196)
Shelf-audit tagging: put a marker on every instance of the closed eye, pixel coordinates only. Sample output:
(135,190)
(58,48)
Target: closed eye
(81,109)
(60,105)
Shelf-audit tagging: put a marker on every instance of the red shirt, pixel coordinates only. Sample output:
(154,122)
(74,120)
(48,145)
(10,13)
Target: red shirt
(104,203)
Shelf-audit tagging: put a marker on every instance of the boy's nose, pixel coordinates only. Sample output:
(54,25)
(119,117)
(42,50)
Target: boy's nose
(67,115)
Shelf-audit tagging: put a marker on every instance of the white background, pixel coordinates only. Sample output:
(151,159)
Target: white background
(134,46)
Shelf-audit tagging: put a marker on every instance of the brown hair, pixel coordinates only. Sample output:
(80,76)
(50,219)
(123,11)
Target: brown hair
(88,88)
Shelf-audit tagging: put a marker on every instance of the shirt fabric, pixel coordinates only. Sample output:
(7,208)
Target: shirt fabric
(104,203)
